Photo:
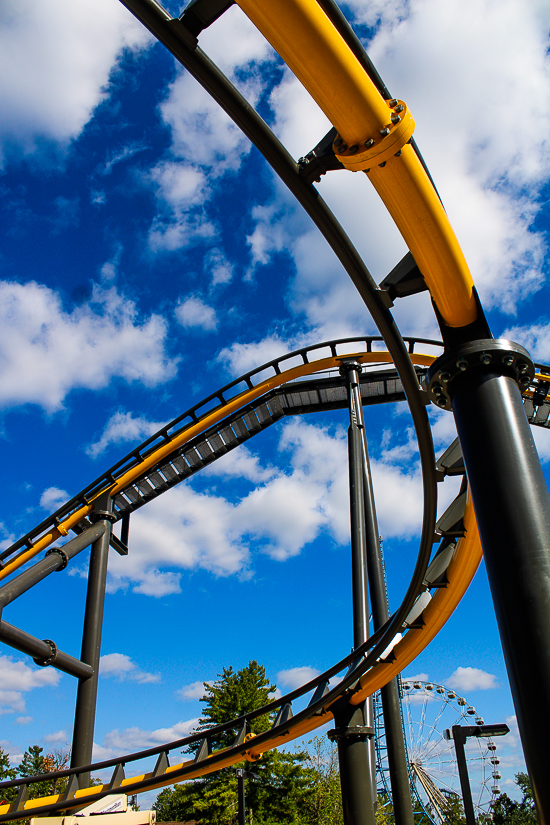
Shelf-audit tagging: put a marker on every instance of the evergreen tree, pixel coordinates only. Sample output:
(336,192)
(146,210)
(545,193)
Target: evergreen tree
(281,789)
(6,773)
(34,763)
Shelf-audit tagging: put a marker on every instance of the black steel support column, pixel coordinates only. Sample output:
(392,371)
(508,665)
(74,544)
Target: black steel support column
(389,694)
(241,796)
(352,735)
(354,726)
(84,721)
(513,514)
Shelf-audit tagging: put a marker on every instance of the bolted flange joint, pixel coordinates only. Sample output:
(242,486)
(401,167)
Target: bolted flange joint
(58,552)
(492,355)
(357,731)
(48,660)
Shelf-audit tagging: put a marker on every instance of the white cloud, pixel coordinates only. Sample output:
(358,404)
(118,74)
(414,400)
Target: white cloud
(17,678)
(534,337)
(288,508)
(193,691)
(122,427)
(193,312)
(46,351)
(471,678)
(218,267)
(296,676)
(56,60)
(135,739)
(59,736)
(240,463)
(23,720)
(181,191)
(52,498)
(121,667)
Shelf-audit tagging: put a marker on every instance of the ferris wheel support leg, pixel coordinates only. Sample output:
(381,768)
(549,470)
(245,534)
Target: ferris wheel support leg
(512,506)
(84,719)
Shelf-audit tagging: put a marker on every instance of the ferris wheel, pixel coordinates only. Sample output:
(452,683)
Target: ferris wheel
(428,709)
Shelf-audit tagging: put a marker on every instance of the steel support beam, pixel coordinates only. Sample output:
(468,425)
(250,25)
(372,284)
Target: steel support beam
(44,652)
(84,721)
(389,694)
(56,558)
(512,508)
(354,731)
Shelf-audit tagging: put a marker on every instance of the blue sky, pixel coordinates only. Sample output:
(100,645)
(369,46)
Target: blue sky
(148,256)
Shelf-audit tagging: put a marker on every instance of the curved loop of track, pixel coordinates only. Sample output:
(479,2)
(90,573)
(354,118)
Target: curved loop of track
(370,666)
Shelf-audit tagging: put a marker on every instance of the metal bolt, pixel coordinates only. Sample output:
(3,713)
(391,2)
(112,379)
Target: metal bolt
(522,368)
(445,377)
(397,154)
(393,103)
(395,119)
(462,365)
(400,108)
(437,389)
(485,357)
(338,141)
(369,143)
(524,381)
(381,165)
(442,402)
(508,360)
(385,131)
(343,148)
(353,149)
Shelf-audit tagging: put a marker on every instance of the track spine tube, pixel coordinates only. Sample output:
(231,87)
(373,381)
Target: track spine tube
(512,508)
(86,698)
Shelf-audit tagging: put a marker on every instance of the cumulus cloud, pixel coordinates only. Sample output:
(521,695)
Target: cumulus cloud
(471,678)
(286,509)
(121,427)
(17,678)
(296,676)
(193,691)
(52,498)
(194,313)
(46,350)
(56,61)
(23,720)
(134,739)
(59,736)
(121,667)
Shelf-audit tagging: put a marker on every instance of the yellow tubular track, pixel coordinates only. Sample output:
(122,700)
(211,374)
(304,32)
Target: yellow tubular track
(459,574)
(302,34)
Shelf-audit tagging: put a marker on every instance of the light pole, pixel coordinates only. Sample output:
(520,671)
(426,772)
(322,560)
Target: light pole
(459,734)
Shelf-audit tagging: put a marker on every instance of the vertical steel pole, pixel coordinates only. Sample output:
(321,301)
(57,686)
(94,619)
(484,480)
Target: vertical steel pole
(512,508)
(241,796)
(354,731)
(84,719)
(389,694)
(459,738)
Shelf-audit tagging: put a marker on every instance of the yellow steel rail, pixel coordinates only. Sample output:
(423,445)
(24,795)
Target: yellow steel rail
(307,41)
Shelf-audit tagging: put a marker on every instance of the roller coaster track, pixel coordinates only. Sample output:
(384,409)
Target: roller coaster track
(372,133)
(197,440)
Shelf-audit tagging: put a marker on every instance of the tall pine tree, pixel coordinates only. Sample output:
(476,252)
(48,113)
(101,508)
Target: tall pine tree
(281,789)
